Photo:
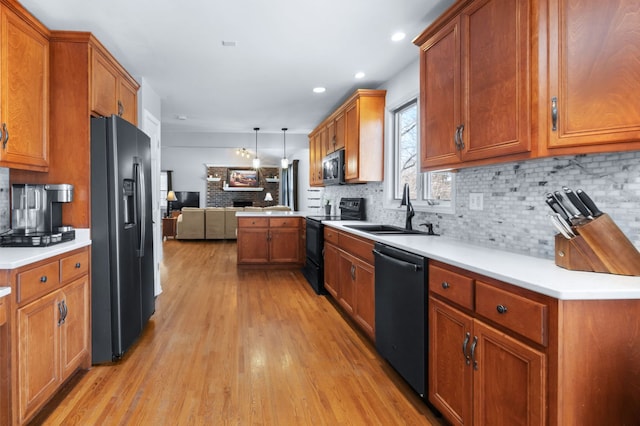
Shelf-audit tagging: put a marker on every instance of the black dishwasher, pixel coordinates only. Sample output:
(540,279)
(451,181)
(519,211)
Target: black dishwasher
(401,312)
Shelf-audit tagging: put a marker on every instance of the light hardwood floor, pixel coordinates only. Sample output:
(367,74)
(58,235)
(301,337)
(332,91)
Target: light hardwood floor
(234,347)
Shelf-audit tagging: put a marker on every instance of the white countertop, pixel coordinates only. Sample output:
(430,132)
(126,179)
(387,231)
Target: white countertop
(14,257)
(5,291)
(539,275)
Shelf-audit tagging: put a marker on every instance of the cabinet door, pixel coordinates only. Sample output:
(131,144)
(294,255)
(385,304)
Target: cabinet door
(495,79)
(331,275)
(440,97)
(509,380)
(352,140)
(364,303)
(450,370)
(339,131)
(74,333)
(346,277)
(593,73)
(253,245)
(284,245)
(127,101)
(38,352)
(104,85)
(24,89)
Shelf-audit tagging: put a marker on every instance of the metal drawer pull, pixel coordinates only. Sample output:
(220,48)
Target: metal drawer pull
(78,265)
(464,348)
(445,285)
(501,309)
(43,279)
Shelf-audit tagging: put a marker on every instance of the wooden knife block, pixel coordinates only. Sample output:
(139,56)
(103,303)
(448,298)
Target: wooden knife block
(599,246)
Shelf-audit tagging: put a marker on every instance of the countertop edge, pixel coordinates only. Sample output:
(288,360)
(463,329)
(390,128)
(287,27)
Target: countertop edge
(528,272)
(15,257)
(5,291)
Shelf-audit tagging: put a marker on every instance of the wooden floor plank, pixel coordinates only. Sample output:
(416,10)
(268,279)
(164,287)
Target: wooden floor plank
(240,347)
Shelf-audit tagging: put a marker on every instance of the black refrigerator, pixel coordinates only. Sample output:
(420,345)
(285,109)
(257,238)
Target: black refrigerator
(122,270)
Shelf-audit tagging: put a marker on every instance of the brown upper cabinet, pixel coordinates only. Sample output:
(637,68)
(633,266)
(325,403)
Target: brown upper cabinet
(113,91)
(591,99)
(358,127)
(24,90)
(475,84)
(504,80)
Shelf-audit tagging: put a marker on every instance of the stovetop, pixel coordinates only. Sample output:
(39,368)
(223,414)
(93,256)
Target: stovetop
(37,239)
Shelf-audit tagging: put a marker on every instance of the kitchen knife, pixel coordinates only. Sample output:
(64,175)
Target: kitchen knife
(568,207)
(589,203)
(558,226)
(576,202)
(565,225)
(555,206)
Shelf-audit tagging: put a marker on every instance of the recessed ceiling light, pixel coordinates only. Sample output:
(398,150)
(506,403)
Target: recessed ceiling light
(359,74)
(398,36)
(181,117)
(319,90)
(229,43)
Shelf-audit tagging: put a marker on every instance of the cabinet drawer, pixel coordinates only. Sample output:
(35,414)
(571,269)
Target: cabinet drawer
(284,222)
(37,281)
(330,235)
(455,287)
(253,222)
(358,247)
(74,266)
(524,316)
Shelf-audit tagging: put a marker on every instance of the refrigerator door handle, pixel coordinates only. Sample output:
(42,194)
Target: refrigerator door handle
(143,206)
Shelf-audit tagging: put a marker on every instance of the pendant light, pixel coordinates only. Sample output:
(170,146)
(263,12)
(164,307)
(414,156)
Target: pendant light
(284,163)
(256,160)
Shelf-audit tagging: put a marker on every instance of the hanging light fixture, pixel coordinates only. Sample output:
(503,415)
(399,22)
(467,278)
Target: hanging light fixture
(256,160)
(284,163)
(242,152)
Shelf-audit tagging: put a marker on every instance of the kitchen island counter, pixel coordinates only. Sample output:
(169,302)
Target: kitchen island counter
(536,274)
(14,257)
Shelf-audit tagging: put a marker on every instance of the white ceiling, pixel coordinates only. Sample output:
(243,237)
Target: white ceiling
(284,49)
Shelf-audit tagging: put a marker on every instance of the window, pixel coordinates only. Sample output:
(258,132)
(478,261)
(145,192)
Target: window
(432,191)
(164,185)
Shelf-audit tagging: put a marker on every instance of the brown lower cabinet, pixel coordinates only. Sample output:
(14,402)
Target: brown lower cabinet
(5,388)
(50,330)
(349,276)
(503,355)
(269,241)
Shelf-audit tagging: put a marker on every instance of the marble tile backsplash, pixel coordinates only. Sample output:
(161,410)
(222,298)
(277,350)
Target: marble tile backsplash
(4,200)
(514,217)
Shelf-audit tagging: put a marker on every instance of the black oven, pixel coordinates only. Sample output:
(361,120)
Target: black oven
(350,209)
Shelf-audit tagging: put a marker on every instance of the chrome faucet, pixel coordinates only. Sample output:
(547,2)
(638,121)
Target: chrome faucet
(406,201)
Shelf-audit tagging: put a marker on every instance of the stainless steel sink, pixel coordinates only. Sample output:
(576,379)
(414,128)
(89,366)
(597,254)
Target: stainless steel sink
(384,230)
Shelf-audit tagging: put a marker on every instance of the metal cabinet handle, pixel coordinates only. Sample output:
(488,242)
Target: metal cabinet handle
(501,309)
(554,114)
(120,108)
(43,279)
(6,135)
(473,352)
(456,138)
(60,314)
(353,272)
(78,265)
(445,285)
(460,137)
(1,135)
(464,348)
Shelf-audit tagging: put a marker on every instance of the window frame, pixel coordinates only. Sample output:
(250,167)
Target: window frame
(391,198)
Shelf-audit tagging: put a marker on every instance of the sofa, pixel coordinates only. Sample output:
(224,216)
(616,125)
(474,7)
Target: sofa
(190,224)
(213,223)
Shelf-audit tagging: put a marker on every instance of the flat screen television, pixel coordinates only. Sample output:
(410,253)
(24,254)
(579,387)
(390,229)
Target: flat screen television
(186,199)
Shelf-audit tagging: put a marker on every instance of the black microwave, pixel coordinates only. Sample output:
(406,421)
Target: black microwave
(333,168)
